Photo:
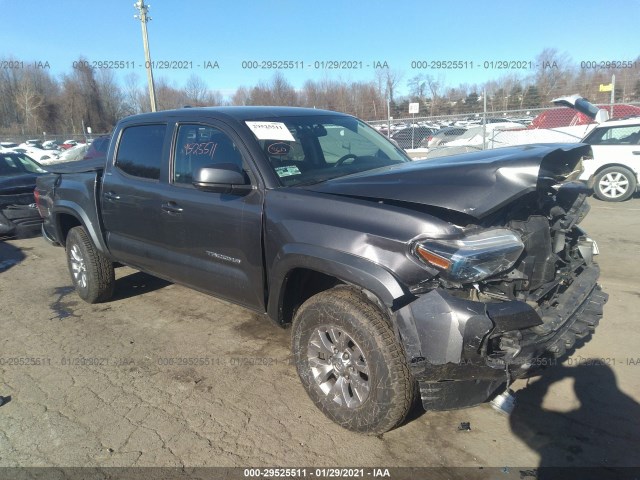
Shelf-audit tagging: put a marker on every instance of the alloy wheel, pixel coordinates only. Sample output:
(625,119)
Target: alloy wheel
(339,366)
(614,184)
(78,267)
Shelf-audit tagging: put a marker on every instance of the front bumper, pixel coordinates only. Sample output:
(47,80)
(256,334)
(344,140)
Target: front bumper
(461,351)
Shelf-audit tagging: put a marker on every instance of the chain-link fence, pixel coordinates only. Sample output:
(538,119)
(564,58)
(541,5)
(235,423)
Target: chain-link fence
(51,149)
(433,136)
(57,138)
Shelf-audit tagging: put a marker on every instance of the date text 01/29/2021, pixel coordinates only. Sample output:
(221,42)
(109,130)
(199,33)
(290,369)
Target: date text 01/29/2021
(316,472)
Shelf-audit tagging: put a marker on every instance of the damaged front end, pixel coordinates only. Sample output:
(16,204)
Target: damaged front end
(514,292)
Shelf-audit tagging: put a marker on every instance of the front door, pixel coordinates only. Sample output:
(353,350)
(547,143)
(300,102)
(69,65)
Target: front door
(216,239)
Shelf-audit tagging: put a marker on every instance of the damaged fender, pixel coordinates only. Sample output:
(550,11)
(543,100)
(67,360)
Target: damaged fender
(439,329)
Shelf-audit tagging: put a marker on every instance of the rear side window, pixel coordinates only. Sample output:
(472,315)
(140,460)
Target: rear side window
(9,166)
(625,135)
(140,151)
(101,144)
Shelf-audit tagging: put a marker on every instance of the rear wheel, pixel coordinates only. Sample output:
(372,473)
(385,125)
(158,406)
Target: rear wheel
(614,184)
(91,272)
(350,363)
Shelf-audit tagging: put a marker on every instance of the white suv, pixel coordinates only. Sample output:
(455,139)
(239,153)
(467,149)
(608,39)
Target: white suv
(613,172)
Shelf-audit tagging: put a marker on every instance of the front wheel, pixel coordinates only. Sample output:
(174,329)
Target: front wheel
(614,184)
(350,363)
(91,272)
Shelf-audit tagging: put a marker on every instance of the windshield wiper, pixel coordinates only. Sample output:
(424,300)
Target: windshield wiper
(311,182)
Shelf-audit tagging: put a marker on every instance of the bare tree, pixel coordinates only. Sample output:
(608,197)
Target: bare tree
(278,91)
(29,100)
(111,97)
(81,100)
(196,91)
(417,87)
(9,80)
(241,96)
(133,95)
(32,101)
(434,87)
(390,79)
(214,98)
(283,91)
(553,73)
(168,96)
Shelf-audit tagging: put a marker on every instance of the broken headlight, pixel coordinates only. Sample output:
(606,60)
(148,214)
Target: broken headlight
(474,257)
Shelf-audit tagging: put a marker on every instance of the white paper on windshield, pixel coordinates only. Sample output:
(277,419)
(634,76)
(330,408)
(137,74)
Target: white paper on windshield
(271,131)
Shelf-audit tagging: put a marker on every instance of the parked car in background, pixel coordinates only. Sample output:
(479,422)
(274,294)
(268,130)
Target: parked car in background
(77,152)
(37,154)
(98,148)
(442,136)
(580,118)
(411,137)
(569,115)
(67,144)
(613,171)
(34,143)
(475,138)
(488,120)
(51,145)
(18,213)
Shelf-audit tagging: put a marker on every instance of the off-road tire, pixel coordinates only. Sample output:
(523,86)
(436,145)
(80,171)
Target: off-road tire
(391,386)
(614,174)
(99,276)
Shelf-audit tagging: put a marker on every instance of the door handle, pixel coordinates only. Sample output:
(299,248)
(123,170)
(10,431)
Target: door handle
(111,196)
(636,152)
(172,208)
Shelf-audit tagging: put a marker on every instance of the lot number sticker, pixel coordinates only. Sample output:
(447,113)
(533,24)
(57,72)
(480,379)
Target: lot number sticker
(270,131)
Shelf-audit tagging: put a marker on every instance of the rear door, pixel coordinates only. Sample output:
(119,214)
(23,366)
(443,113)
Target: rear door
(618,144)
(131,197)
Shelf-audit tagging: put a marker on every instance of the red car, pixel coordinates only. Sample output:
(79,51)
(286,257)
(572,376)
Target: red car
(568,117)
(68,144)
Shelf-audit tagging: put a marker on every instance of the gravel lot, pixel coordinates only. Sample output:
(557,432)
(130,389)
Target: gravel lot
(165,376)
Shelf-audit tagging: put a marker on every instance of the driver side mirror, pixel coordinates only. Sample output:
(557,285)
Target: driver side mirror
(222,178)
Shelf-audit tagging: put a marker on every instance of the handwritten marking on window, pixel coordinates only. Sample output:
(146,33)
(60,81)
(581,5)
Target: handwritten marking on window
(203,148)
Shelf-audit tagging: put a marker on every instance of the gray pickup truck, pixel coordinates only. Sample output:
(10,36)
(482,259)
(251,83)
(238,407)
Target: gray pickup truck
(443,279)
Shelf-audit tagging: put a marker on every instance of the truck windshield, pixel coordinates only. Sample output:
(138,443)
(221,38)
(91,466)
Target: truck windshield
(312,149)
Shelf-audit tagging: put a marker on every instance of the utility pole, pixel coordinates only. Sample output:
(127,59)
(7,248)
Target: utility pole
(484,120)
(143,9)
(613,93)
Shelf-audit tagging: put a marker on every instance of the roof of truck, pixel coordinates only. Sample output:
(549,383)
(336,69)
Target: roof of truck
(237,113)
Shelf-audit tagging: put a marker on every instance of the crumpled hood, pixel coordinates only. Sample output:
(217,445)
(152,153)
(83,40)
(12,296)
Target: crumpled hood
(475,184)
